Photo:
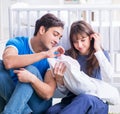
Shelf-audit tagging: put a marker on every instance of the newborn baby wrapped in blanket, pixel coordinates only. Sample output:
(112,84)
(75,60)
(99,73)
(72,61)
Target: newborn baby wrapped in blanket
(78,82)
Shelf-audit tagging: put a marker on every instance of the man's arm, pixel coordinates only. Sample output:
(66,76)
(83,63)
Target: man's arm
(44,89)
(11,58)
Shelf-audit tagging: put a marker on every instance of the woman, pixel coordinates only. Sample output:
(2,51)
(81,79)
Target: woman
(94,61)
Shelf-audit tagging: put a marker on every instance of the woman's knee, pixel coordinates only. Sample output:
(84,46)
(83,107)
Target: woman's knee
(83,96)
(85,99)
(5,77)
(55,109)
(93,103)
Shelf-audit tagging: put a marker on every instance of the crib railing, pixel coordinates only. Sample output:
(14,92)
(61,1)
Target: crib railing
(105,19)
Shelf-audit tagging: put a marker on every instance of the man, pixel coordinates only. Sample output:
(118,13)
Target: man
(26,83)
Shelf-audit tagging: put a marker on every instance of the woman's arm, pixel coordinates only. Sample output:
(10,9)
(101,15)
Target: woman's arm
(58,72)
(105,66)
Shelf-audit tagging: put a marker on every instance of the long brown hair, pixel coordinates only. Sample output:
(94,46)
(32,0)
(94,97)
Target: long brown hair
(81,27)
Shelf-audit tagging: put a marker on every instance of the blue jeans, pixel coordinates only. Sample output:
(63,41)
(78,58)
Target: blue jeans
(81,104)
(20,98)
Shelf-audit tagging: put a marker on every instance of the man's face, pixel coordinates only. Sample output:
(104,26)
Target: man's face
(51,37)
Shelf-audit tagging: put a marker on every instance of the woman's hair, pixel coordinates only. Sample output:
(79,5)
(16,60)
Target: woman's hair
(48,20)
(83,28)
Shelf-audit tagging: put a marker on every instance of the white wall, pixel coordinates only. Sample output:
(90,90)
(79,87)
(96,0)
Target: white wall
(41,2)
(1,19)
(116,1)
(4,4)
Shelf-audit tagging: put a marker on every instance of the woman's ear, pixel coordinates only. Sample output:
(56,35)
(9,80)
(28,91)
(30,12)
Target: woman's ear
(91,37)
(42,30)
(92,40)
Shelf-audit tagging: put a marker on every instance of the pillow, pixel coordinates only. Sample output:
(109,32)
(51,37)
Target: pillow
(78,82)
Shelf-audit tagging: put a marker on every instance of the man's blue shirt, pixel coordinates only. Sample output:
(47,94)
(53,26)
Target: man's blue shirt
(23,46)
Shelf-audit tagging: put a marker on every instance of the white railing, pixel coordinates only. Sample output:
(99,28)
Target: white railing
(105,19)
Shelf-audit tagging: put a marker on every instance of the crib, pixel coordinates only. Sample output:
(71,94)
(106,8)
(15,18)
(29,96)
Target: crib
(104,19)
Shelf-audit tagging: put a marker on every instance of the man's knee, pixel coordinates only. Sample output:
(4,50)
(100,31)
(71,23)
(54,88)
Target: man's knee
(1,65)
(34,71)
(4,74)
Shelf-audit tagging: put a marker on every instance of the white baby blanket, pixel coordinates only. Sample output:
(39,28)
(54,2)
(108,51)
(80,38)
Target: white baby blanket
(78,82)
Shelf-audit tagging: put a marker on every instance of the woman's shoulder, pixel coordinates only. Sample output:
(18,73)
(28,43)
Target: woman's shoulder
(106,52)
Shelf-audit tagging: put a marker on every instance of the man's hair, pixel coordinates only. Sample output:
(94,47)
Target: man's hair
(48,20)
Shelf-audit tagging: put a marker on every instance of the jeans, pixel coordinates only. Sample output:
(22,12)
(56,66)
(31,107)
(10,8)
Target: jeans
(20,98)
(81,104)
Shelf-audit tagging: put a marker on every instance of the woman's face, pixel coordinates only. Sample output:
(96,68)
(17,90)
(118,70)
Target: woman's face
(82,43)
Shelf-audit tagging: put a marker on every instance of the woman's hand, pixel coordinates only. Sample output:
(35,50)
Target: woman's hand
(59,70)
(97,41)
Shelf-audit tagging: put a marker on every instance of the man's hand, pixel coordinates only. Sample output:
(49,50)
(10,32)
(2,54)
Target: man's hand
(24,75)
(55,52)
